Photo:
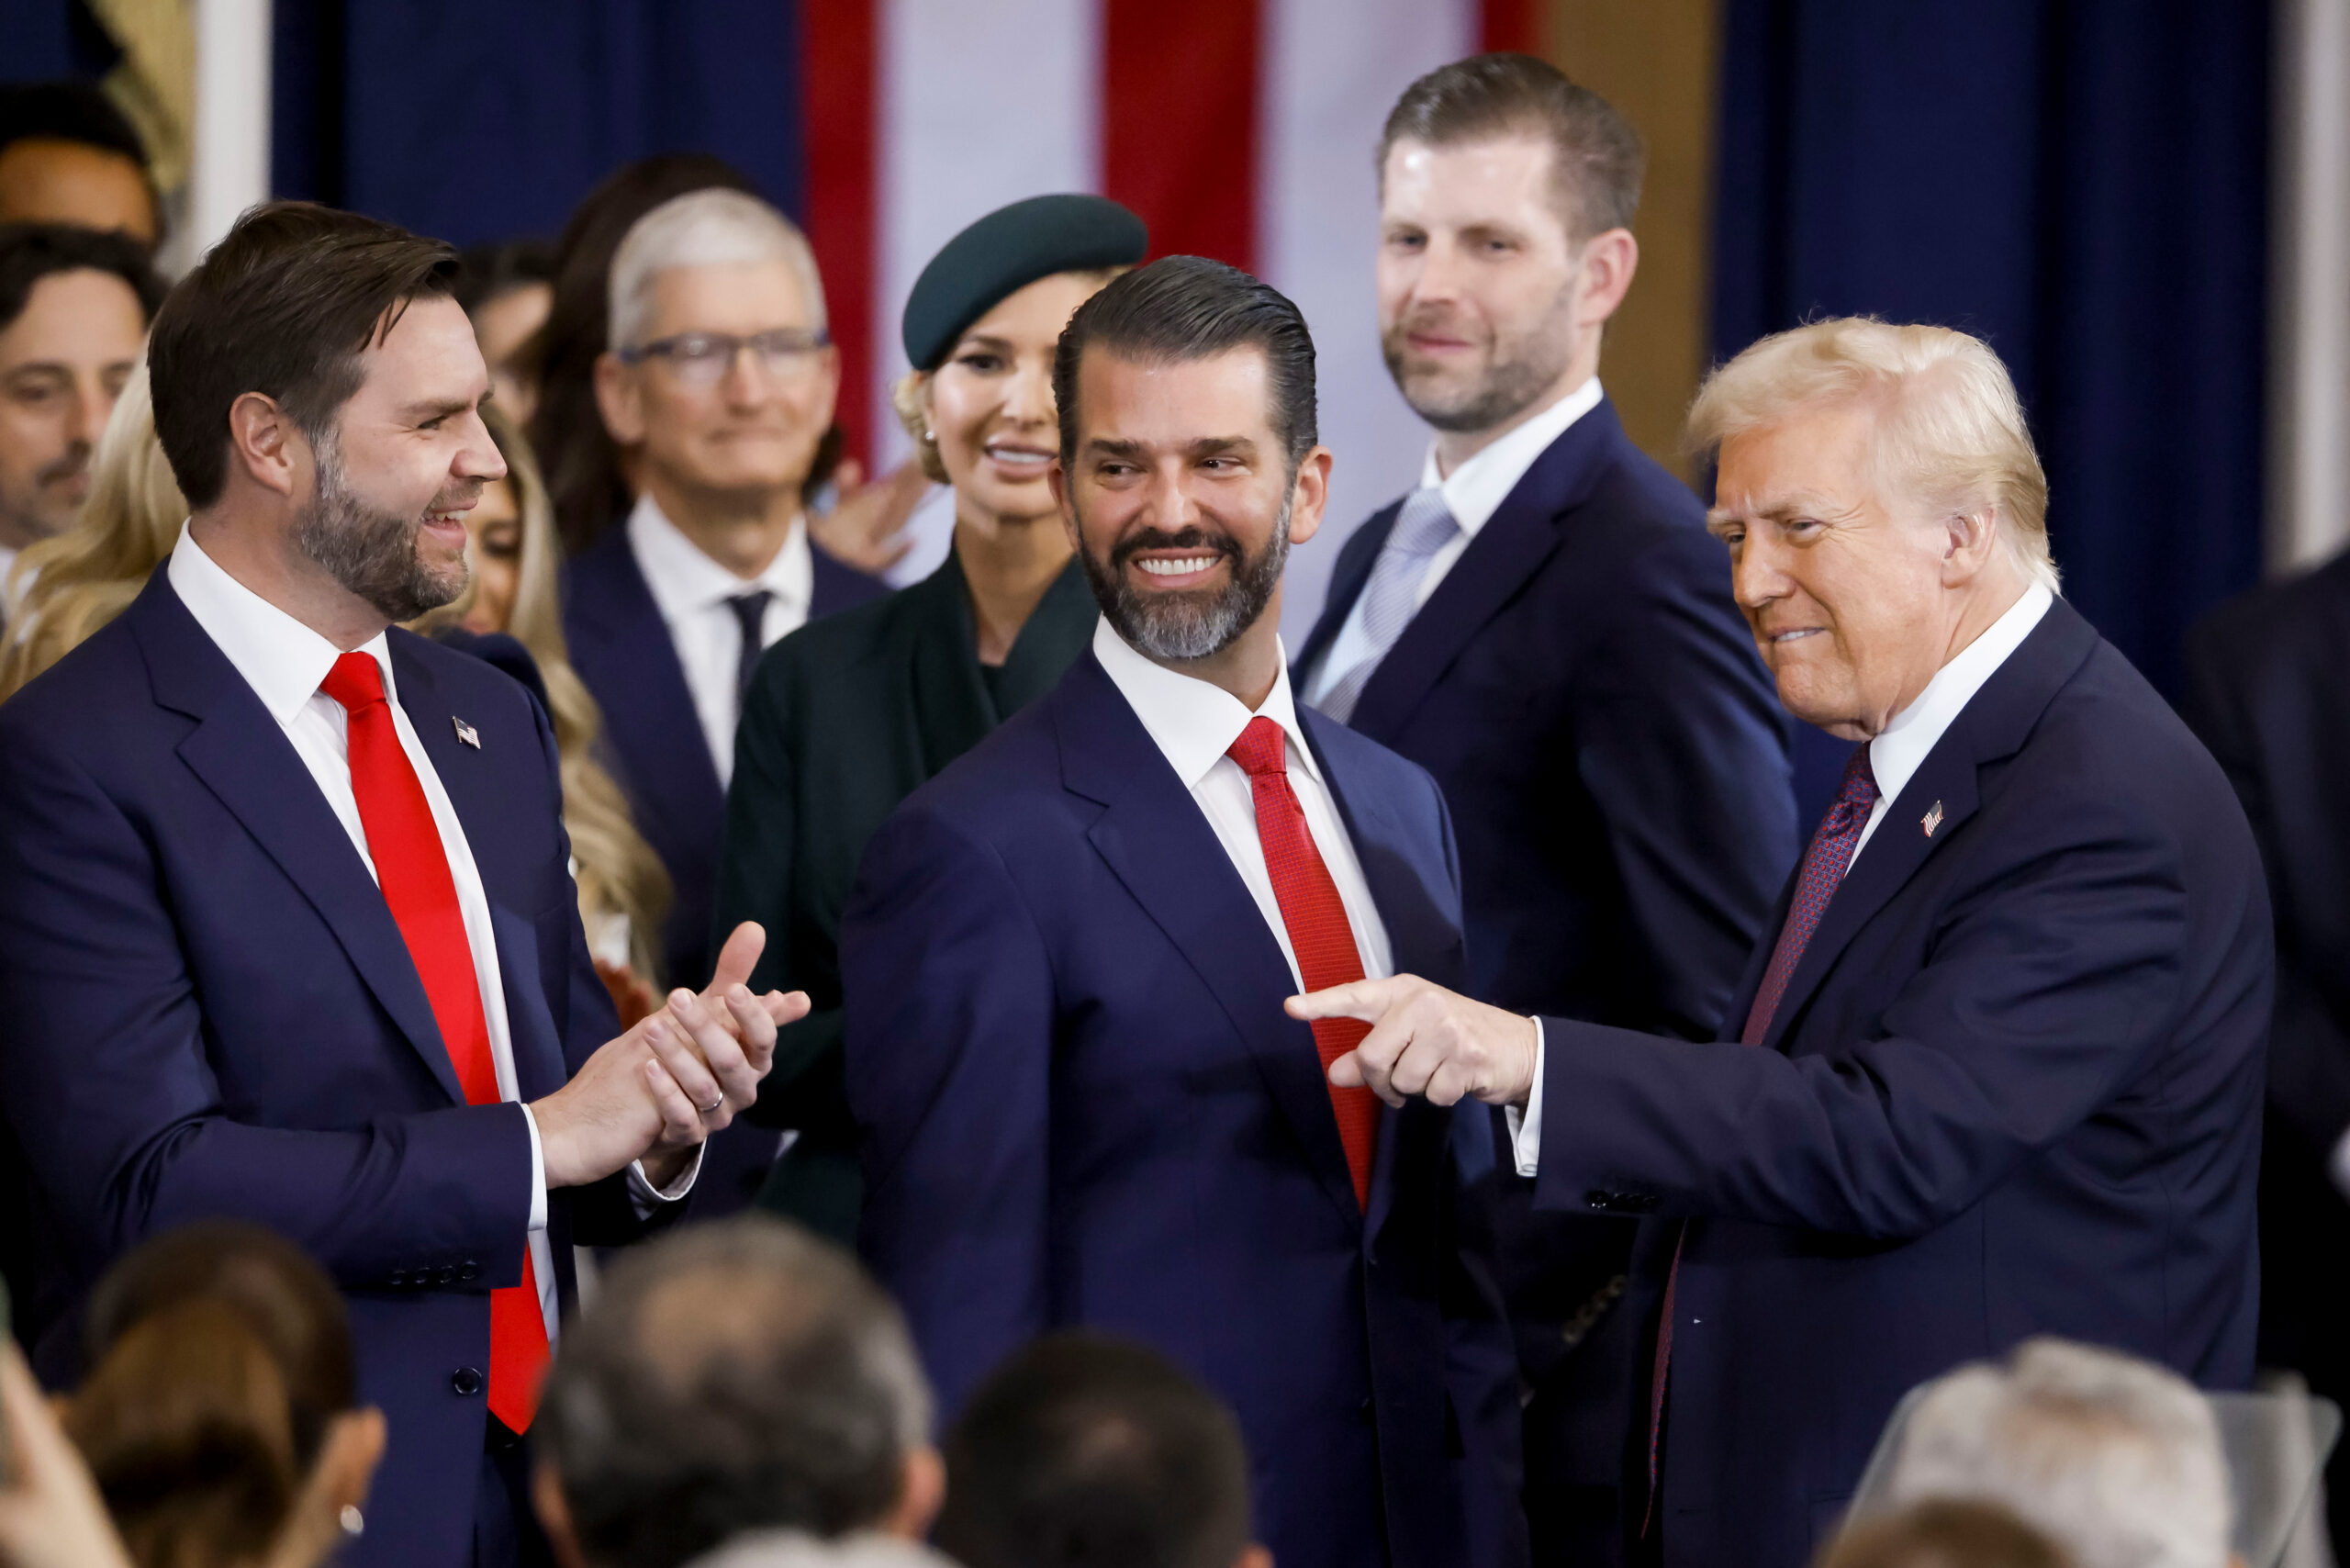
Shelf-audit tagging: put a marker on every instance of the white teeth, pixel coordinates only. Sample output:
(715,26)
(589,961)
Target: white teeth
(1177,568)
(1015,455)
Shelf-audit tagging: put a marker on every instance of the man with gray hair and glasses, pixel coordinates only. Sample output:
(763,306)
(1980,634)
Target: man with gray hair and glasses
(1996,1067)
(742,1388)
(2117,1459)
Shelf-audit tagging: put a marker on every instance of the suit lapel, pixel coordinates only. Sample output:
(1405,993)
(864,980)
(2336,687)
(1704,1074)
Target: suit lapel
(1347,580)
(1992,726)
(242,756)
(952,712)
(1514,542)
(627,656)
(1159,844)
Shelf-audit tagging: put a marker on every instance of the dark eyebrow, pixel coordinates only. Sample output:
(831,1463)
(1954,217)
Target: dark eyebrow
(1103,446)
(1238,446)
(424,413)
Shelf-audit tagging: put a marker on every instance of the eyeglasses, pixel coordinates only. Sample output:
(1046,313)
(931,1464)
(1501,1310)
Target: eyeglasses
(702,359)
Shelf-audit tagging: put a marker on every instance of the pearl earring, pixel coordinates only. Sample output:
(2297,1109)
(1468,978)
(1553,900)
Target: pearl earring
(353,1522)
(930,435)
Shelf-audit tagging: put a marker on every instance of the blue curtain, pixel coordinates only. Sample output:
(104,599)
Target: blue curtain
(2083,183)
(476,122)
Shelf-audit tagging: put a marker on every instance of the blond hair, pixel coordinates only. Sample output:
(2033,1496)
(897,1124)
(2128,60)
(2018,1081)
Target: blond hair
(1950,430)
(619,873)
(76,582)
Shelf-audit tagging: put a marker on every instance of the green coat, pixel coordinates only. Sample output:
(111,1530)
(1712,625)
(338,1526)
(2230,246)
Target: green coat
(845,718)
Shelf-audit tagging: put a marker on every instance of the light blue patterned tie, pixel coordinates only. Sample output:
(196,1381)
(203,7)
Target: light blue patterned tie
(1424,527)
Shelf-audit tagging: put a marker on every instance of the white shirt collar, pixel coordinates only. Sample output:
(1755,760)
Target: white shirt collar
(1897,753)
(685,581)
(1476,489)
(284,661)
(1194,722)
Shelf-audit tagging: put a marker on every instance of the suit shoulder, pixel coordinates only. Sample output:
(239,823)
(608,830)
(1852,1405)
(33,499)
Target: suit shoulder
(846,636)
(2108,740)
(102,674)
(464,674)
(1364,761)
(1014,774)
(2302,617)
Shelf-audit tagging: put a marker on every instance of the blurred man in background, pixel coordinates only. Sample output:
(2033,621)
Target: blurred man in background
(1083,1449)
(73,311)
(732,1382)
(1546,627)
(68,156)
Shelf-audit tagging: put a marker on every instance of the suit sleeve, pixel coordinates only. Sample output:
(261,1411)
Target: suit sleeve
(949,1040)
(2049,985)
(105,1079)
(1679,740)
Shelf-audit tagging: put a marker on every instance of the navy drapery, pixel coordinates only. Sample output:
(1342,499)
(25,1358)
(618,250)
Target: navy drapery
(476,122)
(2083,183)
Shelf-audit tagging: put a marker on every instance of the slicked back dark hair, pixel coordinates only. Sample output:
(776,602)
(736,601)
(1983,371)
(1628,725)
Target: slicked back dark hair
(1086,1451)
(31,251)
(1597,159)
(1181,308)
(285,306)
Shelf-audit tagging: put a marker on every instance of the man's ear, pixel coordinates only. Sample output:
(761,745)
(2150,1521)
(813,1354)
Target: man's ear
(266,445)
(1254,1556)
(620,400)
(1609,259)
(554,1515)
(1309,493)
(1969,541)
(1058,478)
(920,1494)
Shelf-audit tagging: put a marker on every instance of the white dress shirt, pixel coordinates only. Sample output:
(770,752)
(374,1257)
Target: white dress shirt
(1194,723)
(691,590)
(1895,756)
(1472,493)
(284,662)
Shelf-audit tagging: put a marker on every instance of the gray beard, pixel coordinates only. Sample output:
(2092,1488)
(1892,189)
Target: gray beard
(1180,628)
(372,553)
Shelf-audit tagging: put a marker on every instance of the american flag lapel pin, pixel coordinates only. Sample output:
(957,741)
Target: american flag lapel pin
(1932,819)
(468,735)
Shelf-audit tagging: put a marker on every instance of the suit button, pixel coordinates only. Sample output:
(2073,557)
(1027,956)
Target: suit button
(399,1279)
(1600,1199)
(445,1276)
(466,1381)
(470,1272)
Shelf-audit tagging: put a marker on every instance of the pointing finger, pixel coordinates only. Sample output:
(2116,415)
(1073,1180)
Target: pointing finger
(1364,999)
(738,957)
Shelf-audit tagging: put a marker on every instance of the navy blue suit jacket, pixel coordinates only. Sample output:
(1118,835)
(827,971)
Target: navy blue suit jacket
(2013,1088)
(620,647)
(1082,1103)
(209,1010)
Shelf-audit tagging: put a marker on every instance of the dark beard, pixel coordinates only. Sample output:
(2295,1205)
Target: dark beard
(1511,383)
(372,553)
(1194,624)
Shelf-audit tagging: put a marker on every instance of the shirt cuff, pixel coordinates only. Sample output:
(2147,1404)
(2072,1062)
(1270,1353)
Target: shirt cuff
(647,1198)
(538,1174)
(1526,1127)
(2337,1165)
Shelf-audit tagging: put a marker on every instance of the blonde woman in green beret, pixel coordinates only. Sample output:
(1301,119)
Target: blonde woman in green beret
(849,715)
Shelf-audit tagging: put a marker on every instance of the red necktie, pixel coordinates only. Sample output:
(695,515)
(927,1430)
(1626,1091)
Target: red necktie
(412,864)
(1824,864)
(1318,932)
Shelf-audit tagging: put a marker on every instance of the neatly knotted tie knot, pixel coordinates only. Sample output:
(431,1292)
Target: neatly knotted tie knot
(1856,799)
(1261,749)
(355,681)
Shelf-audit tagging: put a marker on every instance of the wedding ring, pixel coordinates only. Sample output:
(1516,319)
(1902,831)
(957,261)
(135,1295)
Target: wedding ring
(713,1105)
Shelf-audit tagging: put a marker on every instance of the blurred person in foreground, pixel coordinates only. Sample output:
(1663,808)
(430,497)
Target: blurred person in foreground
(1545,625)
(287,927)
(718,382)
(1944,1532)
(68,156)
(2117,1459)
(1065,956)
(850,714)
(743,1387)
(220,1415)
(1997,1071)
(73,311)
(2264,692)
(506,290)
(1083,1449)
(50,1513)
(510,614)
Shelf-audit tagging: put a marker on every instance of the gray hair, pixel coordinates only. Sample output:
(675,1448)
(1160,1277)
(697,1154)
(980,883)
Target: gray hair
(2116,1459)
(714,227)
(736,1376)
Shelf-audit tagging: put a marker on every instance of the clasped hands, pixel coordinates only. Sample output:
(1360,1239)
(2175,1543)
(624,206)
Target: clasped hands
(673,1079)
(1426,1040)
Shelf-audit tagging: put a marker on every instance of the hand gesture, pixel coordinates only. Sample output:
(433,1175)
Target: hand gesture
(1426,1040)
(667,1083)
(864,527)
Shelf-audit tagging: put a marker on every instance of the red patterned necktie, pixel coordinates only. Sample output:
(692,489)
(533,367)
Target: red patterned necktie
(1318,932)
(1823,870)
(412,864)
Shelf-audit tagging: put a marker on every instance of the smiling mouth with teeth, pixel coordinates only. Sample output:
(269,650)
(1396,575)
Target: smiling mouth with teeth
(1178,568)
(1020,457)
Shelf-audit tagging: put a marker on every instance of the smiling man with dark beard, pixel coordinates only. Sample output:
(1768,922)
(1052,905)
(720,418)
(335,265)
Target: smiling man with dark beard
(1064,960)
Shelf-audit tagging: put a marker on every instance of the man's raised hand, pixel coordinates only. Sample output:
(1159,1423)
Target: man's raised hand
(1426,1040)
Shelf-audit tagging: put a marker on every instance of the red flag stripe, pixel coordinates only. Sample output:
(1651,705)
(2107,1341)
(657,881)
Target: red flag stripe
(1181,74)
(839,64)
(1509,25)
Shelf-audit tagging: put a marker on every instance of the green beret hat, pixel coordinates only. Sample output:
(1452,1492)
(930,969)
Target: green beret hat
(1003,254)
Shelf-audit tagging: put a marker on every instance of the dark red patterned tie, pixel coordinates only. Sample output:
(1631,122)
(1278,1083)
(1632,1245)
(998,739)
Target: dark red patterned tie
(1823,872)
(1318,932)
(412,864)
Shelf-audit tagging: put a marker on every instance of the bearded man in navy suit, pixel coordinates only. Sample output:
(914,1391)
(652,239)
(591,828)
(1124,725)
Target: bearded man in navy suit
(1996,1072)
(287,927)
(1065,959)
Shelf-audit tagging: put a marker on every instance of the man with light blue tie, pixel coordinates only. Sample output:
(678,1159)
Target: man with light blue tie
(1545,626)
